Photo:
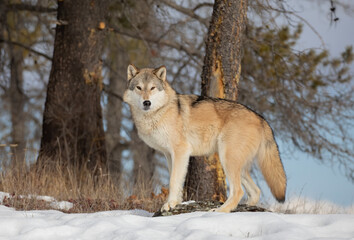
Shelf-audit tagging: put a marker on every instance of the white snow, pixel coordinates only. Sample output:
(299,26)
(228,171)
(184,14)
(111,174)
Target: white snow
(310,206)
(3,195)
(138,224)
(60,205)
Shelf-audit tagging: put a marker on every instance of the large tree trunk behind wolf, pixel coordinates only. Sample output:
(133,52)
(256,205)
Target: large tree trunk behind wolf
(221,73)
(72,122)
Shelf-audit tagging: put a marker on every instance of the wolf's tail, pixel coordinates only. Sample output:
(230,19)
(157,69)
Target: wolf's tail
(271,165)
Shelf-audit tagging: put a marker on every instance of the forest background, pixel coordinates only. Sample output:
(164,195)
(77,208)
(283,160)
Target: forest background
(296,71)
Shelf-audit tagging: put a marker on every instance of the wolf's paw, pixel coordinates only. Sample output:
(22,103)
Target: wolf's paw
(252,202)
(168,206)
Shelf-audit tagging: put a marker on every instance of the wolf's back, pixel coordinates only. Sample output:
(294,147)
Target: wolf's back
(271,166)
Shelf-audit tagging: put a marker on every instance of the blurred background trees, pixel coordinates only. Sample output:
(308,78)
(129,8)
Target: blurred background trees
(306,95)
(72,130)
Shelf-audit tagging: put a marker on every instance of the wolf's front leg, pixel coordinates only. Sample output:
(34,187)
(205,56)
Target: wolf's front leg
(178,173)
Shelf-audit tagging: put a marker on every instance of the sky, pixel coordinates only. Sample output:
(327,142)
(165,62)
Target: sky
(306,176)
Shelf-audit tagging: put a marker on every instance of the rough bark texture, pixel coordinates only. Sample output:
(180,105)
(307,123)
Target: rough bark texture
(72,122)
(220,76)
(205,179)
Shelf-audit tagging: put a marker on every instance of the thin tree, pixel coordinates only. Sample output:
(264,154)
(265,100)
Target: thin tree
(19,32)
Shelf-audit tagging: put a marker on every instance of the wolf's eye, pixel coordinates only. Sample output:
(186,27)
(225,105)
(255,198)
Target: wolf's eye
(152,88)
(139,88)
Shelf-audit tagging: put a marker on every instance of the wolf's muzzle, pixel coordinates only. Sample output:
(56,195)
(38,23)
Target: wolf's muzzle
(146,104)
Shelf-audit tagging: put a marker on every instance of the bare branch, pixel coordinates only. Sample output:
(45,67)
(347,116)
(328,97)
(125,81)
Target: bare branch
(159,41)
(108,91)
(267,7)
(187,11)
(200,5)
(29,7)
(312,28)
(26,47)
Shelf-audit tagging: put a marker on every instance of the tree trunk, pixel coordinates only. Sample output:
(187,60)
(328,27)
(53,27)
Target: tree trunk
(17,103)
(221,73)
(144,162)
(117,83)
(10,23)
(72,122)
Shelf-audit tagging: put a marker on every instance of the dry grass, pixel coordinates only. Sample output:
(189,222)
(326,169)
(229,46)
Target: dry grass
(88,193)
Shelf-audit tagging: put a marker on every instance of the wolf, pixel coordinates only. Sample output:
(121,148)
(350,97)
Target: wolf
(181,126)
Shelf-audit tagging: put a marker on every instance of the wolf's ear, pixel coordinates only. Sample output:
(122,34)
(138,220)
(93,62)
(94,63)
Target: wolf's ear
(132,71)
(160,73)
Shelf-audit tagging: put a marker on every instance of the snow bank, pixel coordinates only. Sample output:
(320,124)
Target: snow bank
(306,205)
(60,205)
(139,224)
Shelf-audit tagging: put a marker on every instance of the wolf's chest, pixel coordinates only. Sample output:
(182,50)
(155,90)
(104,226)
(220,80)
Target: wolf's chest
(156,139)
(154,135)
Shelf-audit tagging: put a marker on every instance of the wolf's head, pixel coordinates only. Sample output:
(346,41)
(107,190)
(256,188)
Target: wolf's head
(146,88)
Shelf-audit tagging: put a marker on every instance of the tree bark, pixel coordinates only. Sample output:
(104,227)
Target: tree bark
(72,122)
(221,72)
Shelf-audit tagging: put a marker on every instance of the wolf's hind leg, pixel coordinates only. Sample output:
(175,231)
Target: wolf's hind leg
(233,170)
(177,176)
(252,190)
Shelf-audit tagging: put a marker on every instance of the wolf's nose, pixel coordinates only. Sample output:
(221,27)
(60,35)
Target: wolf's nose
(147,103)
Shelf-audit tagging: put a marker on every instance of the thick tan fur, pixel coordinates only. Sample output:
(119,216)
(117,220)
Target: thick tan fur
(181,126)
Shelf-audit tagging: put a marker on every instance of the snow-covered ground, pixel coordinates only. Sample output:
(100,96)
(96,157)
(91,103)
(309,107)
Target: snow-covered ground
(138,224)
